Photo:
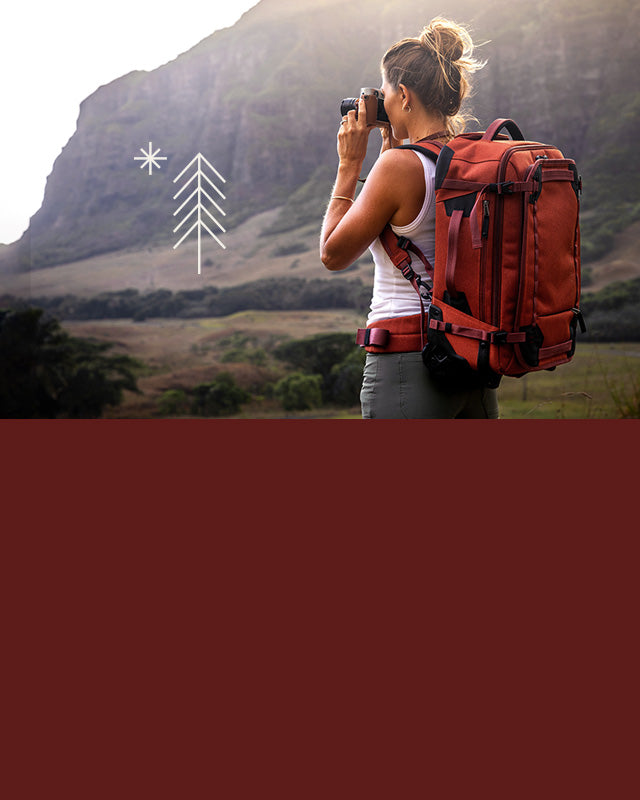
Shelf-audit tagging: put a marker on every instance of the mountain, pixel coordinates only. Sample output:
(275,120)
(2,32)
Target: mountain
(261,101)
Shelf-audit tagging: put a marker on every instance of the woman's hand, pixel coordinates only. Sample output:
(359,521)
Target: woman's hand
(353,136)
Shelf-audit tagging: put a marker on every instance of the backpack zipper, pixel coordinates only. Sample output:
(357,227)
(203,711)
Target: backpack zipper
(497,231)
(486,307)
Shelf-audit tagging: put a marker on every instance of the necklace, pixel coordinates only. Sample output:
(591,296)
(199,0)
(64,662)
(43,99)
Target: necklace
(437,135)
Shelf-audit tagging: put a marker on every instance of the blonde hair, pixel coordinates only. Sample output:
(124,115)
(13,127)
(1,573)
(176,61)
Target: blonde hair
(437,65)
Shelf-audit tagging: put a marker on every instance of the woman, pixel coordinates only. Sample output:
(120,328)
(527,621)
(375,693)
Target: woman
(424,81)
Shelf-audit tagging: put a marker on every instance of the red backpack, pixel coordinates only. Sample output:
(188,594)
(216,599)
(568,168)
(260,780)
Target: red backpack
(505,285)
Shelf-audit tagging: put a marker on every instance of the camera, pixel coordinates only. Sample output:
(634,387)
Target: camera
(374,103)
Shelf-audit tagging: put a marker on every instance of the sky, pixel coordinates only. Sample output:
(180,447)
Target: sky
(55,54)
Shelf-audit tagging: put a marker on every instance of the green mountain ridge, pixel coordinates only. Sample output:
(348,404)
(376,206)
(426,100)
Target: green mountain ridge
(260,100)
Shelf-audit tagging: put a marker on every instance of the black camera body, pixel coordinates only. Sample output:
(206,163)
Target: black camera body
(374,103)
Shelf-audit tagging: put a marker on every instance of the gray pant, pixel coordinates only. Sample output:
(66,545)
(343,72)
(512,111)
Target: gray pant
(399,386)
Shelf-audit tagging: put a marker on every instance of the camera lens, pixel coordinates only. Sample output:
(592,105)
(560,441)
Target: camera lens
(349,104)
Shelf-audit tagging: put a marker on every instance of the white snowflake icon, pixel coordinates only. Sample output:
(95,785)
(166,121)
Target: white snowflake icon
(150,158)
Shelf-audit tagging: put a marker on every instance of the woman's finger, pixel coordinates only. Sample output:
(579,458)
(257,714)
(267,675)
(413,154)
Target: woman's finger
(362,112)
(353,134)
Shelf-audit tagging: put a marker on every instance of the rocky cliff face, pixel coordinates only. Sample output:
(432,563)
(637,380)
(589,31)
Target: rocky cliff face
(260,101)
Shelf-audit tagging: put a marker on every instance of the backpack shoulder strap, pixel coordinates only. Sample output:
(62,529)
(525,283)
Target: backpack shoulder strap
(398,247)
(430,149)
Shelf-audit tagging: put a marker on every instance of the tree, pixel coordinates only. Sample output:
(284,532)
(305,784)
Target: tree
(345,380)
(173,402)
(335,358)
(46,373)
(221,397)
(318,355)
(299,392)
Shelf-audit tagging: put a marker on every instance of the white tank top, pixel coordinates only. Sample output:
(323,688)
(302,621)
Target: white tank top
(393,295)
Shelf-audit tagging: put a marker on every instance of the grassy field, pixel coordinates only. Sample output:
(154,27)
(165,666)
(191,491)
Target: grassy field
(602,381)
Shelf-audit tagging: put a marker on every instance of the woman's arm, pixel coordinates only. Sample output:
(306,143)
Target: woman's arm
(349,228)
(353,137)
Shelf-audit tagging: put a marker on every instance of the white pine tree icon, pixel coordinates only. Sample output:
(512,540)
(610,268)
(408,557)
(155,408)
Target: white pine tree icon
(198,193)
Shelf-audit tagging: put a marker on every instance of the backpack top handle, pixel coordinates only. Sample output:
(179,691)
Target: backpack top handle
(497,125)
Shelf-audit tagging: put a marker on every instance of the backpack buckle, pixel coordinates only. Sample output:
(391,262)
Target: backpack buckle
(408,272)
(403,243)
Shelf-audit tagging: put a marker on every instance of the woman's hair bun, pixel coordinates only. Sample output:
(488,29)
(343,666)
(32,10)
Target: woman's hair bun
(446,40)
(437,65)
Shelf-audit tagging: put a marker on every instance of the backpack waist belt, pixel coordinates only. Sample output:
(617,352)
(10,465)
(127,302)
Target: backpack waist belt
(403,335)
(394,335)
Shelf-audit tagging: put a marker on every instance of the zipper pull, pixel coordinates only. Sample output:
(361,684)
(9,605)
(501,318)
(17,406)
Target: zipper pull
(485,219)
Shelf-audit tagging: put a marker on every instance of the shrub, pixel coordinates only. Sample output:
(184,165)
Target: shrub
(173,402)
(256,356)
(219,398)
(241,348)
(299,392)
(317,353)
(345,379)
(322,355)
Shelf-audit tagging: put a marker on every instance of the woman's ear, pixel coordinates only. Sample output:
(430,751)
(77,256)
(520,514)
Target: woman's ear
(405,96)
